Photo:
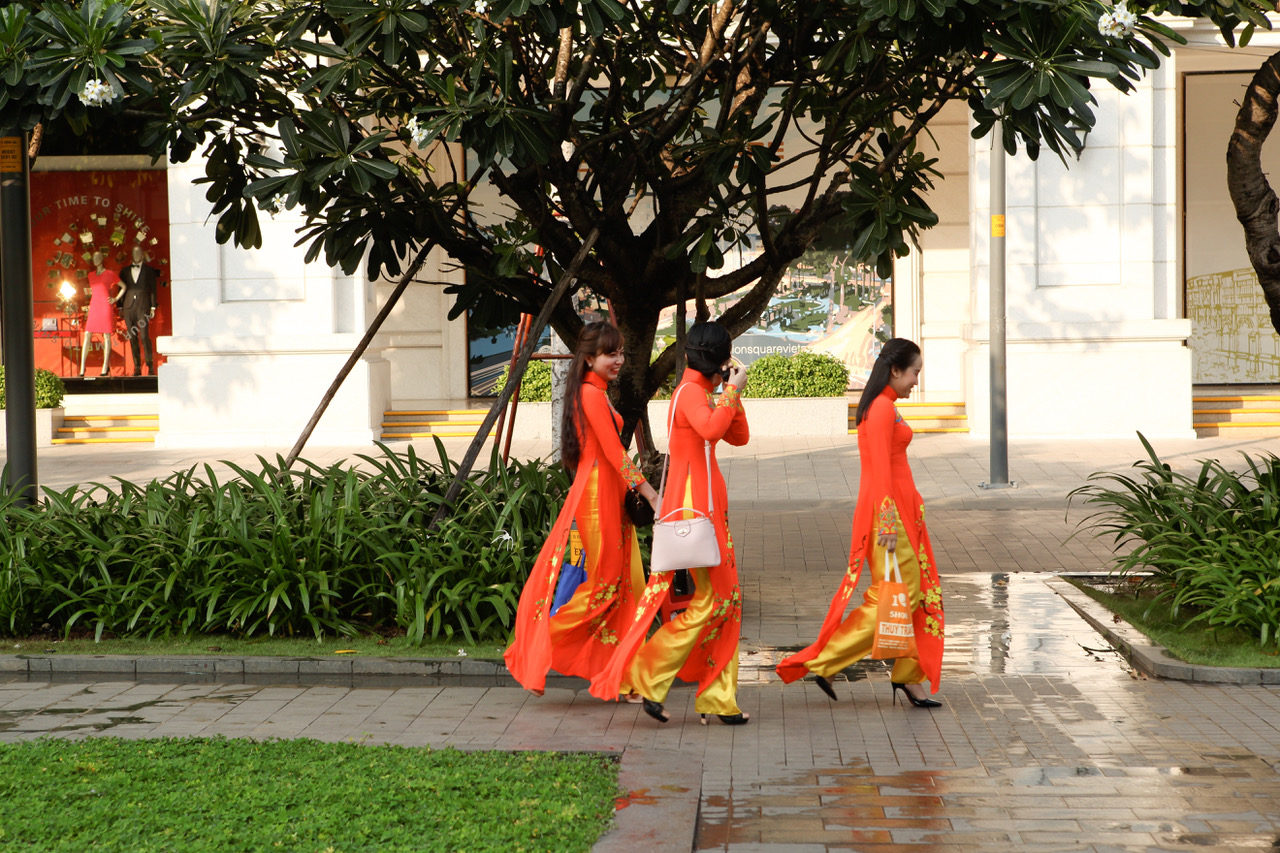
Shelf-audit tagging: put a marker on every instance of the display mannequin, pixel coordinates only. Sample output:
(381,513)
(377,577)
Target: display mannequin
(102,313)
(139,307)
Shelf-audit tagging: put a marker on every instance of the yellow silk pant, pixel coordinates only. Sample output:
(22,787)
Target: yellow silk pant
(851,642)
(663,655)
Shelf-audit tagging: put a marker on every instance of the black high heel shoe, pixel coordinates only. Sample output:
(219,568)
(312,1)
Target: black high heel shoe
(825,687)
(919,703)
(738,719)
(655,710)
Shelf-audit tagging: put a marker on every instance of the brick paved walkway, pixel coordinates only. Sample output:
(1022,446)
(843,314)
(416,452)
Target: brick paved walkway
(1046,741)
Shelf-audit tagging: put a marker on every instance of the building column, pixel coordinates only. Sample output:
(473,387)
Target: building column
(258,336)
(1091,263)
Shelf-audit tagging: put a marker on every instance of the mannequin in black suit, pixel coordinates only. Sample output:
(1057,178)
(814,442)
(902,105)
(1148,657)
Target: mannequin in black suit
(138,306)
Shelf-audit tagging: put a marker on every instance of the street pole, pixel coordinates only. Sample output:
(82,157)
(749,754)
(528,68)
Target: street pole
(999,367)
(15,297)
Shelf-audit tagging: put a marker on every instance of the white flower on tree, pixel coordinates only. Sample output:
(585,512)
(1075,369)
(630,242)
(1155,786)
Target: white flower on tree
(1117,23)
(96,93)
(418,134)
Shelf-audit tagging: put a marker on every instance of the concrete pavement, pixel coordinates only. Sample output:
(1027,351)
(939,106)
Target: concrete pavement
(1047,740)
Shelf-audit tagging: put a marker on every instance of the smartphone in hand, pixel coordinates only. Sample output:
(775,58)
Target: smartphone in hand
(727,369)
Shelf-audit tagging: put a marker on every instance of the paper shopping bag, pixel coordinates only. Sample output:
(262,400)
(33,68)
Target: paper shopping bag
(895,635)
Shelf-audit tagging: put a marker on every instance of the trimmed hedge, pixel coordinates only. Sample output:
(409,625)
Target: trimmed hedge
(49,389)
(805,374)
(535,385)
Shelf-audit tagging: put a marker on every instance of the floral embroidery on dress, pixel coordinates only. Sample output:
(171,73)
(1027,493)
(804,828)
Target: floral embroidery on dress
(602,594)
(933,626)
(888,523)
(655,589)
(631,473)
(601,631)
(851,574)
(553,574)
(725,610)
(730,397)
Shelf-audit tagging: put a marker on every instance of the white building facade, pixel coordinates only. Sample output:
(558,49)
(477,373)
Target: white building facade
(1101,258)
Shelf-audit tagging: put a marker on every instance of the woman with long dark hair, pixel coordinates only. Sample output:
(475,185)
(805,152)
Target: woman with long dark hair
(579,638)
(701,643)
(889,518)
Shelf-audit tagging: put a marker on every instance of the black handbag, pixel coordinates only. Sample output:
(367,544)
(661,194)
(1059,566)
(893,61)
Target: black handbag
(653,468)
(637,509)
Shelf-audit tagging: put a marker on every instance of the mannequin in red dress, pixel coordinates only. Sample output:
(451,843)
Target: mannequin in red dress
(102,312)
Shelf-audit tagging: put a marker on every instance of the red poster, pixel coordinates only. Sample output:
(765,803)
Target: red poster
(74,215)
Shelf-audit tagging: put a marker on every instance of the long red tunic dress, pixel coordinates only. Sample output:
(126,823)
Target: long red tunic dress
(582,635)
(102,312)
(701,643)
(888,502)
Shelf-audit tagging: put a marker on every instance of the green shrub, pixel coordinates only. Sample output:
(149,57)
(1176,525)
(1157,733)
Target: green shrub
(535,385)
(304,551)
(805,374)
(1210,541)
(49,389)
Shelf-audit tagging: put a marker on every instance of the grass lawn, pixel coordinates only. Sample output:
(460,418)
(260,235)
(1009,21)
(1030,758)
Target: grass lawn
(212,644)
(1195,643)
(218,794)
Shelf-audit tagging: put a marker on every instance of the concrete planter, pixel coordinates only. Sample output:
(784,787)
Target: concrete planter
(807,416)
(47,423)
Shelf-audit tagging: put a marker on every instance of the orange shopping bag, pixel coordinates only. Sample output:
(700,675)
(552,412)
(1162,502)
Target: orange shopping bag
(895,635)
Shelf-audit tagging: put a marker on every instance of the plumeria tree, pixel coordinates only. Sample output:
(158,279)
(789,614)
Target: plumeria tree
(656,127)
(1255,202)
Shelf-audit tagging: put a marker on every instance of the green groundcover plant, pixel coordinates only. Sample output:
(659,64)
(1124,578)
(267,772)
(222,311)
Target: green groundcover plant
(1193,643)
(218,794)
(312,551)
(1210,540)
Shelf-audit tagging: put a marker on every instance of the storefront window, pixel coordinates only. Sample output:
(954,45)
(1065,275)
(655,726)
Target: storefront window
(96,236)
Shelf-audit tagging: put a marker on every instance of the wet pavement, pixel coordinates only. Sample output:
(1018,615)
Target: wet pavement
(1047,740)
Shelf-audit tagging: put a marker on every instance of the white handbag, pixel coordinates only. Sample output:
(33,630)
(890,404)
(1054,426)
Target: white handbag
(684,543)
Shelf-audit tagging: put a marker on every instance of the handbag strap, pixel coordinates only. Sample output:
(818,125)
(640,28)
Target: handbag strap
(897,570)
(671,420)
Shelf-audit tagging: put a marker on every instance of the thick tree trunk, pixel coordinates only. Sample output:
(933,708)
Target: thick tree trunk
(513,381)
(634,381)
(1255,202)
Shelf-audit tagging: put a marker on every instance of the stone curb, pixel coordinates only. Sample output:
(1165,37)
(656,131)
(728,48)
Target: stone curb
(428,670)
(1137,648)
(659,811)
